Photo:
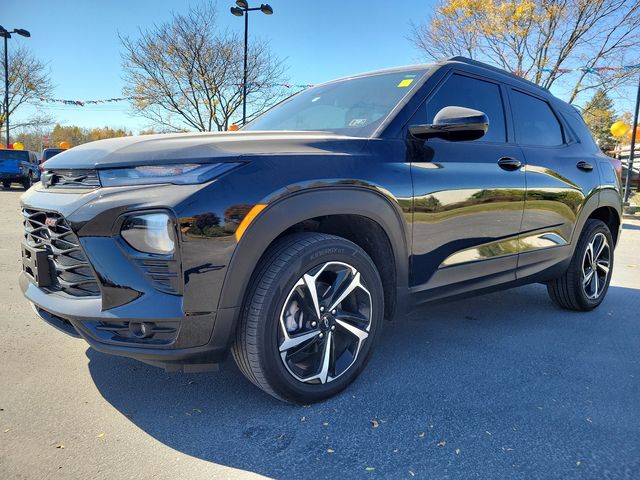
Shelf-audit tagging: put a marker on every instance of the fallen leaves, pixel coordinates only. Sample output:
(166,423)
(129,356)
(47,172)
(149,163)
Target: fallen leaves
(100,435)
(330,450)
(370,469)
(441,443)
(60,446)
(374,423)
(421,435)
(457,451)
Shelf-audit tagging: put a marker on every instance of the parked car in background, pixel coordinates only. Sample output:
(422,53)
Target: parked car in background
(18,166)
(289,241)
(47,153)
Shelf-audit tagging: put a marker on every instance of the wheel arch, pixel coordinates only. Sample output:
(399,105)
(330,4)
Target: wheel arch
(329,207)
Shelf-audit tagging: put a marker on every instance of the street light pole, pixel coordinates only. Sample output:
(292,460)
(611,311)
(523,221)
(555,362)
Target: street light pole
(243,9)
(244,79)
(6,84)
(634,128)
(6,34)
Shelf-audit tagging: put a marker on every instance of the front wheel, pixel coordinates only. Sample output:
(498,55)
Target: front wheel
(585,283)
(310,318)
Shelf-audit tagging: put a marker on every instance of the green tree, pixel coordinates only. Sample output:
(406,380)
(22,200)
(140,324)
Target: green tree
(598,114)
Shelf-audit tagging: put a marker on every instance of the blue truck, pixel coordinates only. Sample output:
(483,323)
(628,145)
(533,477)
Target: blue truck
(18,166)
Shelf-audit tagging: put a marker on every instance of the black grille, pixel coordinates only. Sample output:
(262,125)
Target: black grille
(71,179)
(71,271)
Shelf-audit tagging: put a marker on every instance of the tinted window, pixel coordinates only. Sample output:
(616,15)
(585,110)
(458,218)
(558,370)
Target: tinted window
(355,106)
(579,128)
(461,91)
(534,121)
(21,155)
(50,152)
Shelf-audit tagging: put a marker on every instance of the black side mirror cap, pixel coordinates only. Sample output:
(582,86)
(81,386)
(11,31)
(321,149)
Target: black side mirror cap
(455,124)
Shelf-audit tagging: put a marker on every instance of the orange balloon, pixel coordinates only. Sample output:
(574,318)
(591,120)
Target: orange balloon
(64,144)
(234,128)
(637,134)
(2,146)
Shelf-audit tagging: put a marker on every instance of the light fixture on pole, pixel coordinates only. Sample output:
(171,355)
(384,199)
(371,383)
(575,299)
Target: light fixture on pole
(242,9)
(6,34)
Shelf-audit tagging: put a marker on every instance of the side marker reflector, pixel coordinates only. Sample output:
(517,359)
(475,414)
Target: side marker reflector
(249,217)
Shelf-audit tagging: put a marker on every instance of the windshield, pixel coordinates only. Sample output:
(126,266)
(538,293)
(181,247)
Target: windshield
(355,106)
(22,155)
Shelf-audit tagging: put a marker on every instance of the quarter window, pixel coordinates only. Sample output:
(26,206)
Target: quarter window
(535,123)
(462,91)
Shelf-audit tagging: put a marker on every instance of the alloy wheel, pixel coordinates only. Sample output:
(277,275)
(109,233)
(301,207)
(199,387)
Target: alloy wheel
(596,265)
(324,321)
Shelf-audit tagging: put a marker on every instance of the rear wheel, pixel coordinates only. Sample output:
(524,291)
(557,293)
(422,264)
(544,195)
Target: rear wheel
(585,283)
(310,318)
(26,182)
(6,185)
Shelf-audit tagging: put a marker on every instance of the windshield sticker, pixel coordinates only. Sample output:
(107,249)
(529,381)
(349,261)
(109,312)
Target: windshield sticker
(358,122)
(405,83)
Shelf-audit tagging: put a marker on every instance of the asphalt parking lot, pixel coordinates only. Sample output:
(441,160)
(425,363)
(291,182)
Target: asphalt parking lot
(499,386)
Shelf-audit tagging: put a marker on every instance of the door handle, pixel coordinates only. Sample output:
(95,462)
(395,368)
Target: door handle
(509,163)
(585,166)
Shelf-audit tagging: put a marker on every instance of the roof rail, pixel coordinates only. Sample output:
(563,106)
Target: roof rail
(469,61)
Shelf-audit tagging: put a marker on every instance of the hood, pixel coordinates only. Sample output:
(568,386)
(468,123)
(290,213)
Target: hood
(200,148)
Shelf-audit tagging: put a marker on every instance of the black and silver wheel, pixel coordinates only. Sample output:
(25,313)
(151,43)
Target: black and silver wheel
(585,283)
(310,319)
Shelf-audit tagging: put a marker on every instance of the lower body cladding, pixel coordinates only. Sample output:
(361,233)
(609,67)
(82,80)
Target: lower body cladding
(120,300)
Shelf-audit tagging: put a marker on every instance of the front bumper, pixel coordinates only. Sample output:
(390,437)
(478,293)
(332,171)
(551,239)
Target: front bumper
(83,317)
(134,316)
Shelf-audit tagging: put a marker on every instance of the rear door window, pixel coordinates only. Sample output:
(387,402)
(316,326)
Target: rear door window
(534,121)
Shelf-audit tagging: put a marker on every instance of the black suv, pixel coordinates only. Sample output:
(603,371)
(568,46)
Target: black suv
(290,241)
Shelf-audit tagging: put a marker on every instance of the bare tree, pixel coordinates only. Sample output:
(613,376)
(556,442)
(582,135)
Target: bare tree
(540,39)
(187,74)
(28,81)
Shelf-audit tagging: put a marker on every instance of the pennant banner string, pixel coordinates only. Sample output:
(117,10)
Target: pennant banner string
(82,103)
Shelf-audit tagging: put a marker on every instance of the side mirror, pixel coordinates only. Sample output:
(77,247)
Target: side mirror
(455,124)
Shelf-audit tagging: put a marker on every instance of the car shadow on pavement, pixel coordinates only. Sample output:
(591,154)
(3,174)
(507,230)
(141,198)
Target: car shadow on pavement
(502,385)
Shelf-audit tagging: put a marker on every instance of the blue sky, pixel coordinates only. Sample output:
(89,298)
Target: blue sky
(320,40)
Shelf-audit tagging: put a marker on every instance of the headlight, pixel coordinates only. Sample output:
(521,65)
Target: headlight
(150,233)
(179,174)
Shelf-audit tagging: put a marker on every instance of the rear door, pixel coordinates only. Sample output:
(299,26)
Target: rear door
(468,196)
(561,178)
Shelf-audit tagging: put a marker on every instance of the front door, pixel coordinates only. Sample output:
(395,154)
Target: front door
(468,196)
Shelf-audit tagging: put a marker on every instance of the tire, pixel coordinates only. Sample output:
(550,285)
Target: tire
(6,185)
(26,182)
(572,290)
(280,310)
